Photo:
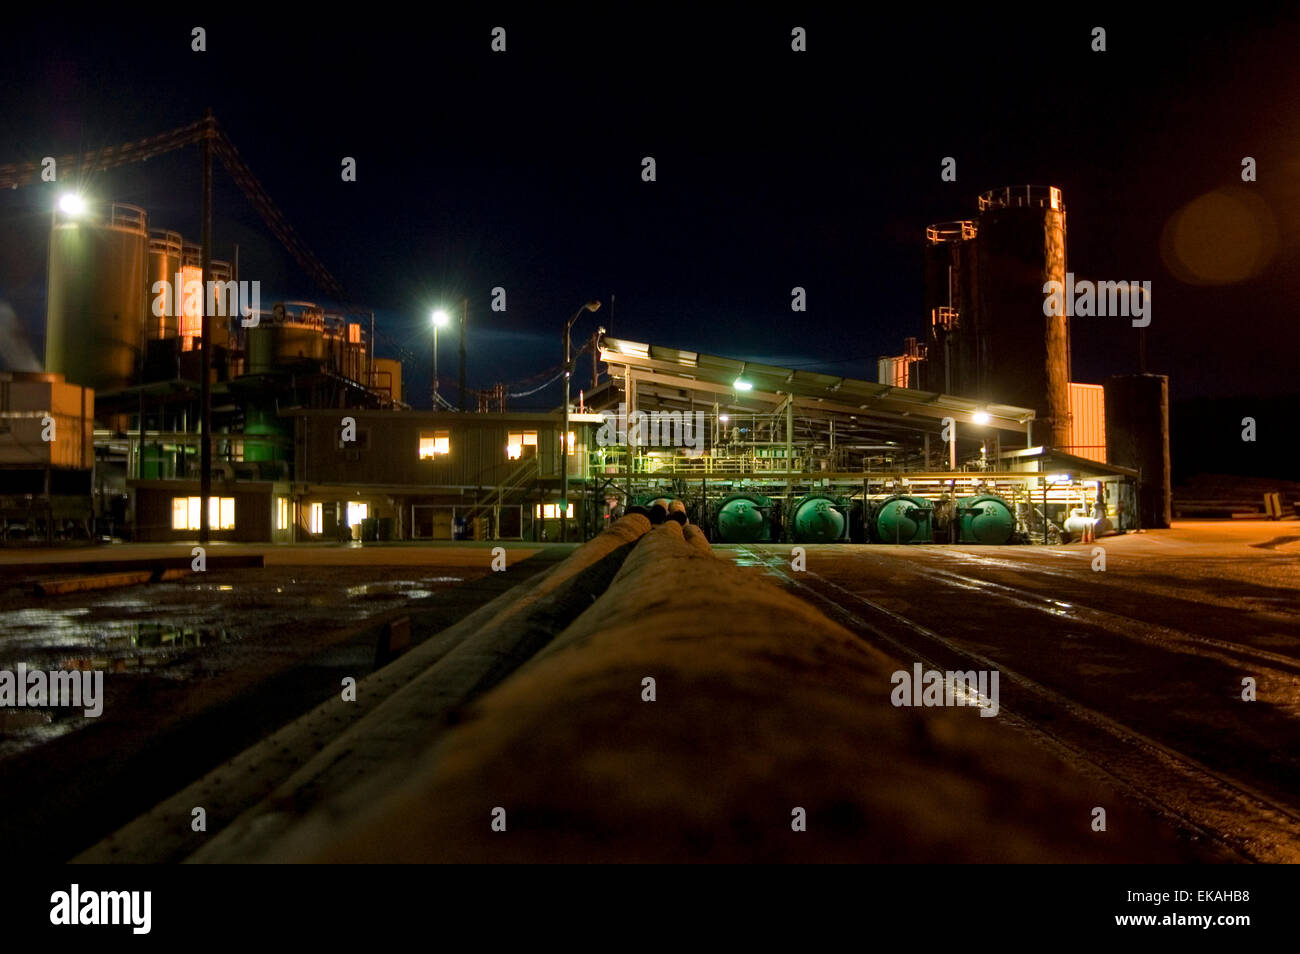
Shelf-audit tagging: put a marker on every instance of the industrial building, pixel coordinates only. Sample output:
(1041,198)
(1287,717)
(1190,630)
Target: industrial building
(975,435)
(986,335)
(46,456)
(809,457)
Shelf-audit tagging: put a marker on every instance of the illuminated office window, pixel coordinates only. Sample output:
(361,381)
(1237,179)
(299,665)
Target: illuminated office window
(521,444)
(433,443)
(552,511)
(186,510)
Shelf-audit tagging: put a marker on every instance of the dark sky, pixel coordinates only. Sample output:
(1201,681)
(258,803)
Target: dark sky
(775,169)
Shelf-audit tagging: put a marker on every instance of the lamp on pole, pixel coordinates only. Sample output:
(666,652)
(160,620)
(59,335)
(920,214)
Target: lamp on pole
(439,320)
(592,305)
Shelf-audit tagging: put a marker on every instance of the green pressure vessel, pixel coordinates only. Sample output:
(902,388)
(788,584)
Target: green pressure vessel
(741,518)
(902,519)
(275,431)
(985,519)
(818,519)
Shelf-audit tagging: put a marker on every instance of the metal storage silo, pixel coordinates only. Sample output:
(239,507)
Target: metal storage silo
(95,311)
(164,265)
(1024,354)
(291,335)
(225,312)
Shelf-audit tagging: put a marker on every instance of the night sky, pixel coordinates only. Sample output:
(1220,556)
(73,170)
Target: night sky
(775,169)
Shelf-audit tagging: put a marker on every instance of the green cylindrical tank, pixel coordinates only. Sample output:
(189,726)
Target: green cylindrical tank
(156,463)
(902,519)
(819,519)
(742,518)
(986,519)
(265,422)
(96,297)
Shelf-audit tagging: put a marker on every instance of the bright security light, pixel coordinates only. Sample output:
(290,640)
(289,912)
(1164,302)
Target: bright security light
(440,318)
(741,385)
(723,418)
(71,204)
(981,417)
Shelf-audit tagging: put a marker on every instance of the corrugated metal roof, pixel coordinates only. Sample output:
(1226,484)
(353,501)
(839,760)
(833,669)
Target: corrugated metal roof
(849,393)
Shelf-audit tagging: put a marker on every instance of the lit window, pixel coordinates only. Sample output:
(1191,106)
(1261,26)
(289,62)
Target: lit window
(521,444)
(186,510)
(433,443)
(180,514)
(357,512)
(316,518)
(552,511)
(571,441)
(282,513)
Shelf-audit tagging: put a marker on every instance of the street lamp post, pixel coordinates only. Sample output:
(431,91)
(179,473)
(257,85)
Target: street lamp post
(440,319)
(592,305)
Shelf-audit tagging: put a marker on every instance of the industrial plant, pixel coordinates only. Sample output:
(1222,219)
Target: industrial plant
(579,438)
(977,433)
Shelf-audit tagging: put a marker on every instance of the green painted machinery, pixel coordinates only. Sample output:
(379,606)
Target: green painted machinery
(819,518)
(744,518)
(902,519)
(985,519)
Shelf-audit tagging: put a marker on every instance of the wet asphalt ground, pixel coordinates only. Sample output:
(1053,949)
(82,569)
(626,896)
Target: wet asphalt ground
(1135,672)
(200,668)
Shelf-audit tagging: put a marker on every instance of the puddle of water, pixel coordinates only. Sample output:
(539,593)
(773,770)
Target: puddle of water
(126,604)
(117,646)
(398,589)
(45,727)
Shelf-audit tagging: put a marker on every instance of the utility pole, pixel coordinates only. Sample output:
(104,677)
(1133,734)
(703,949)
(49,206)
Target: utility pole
(592,305)
(205,340)
(460,386)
